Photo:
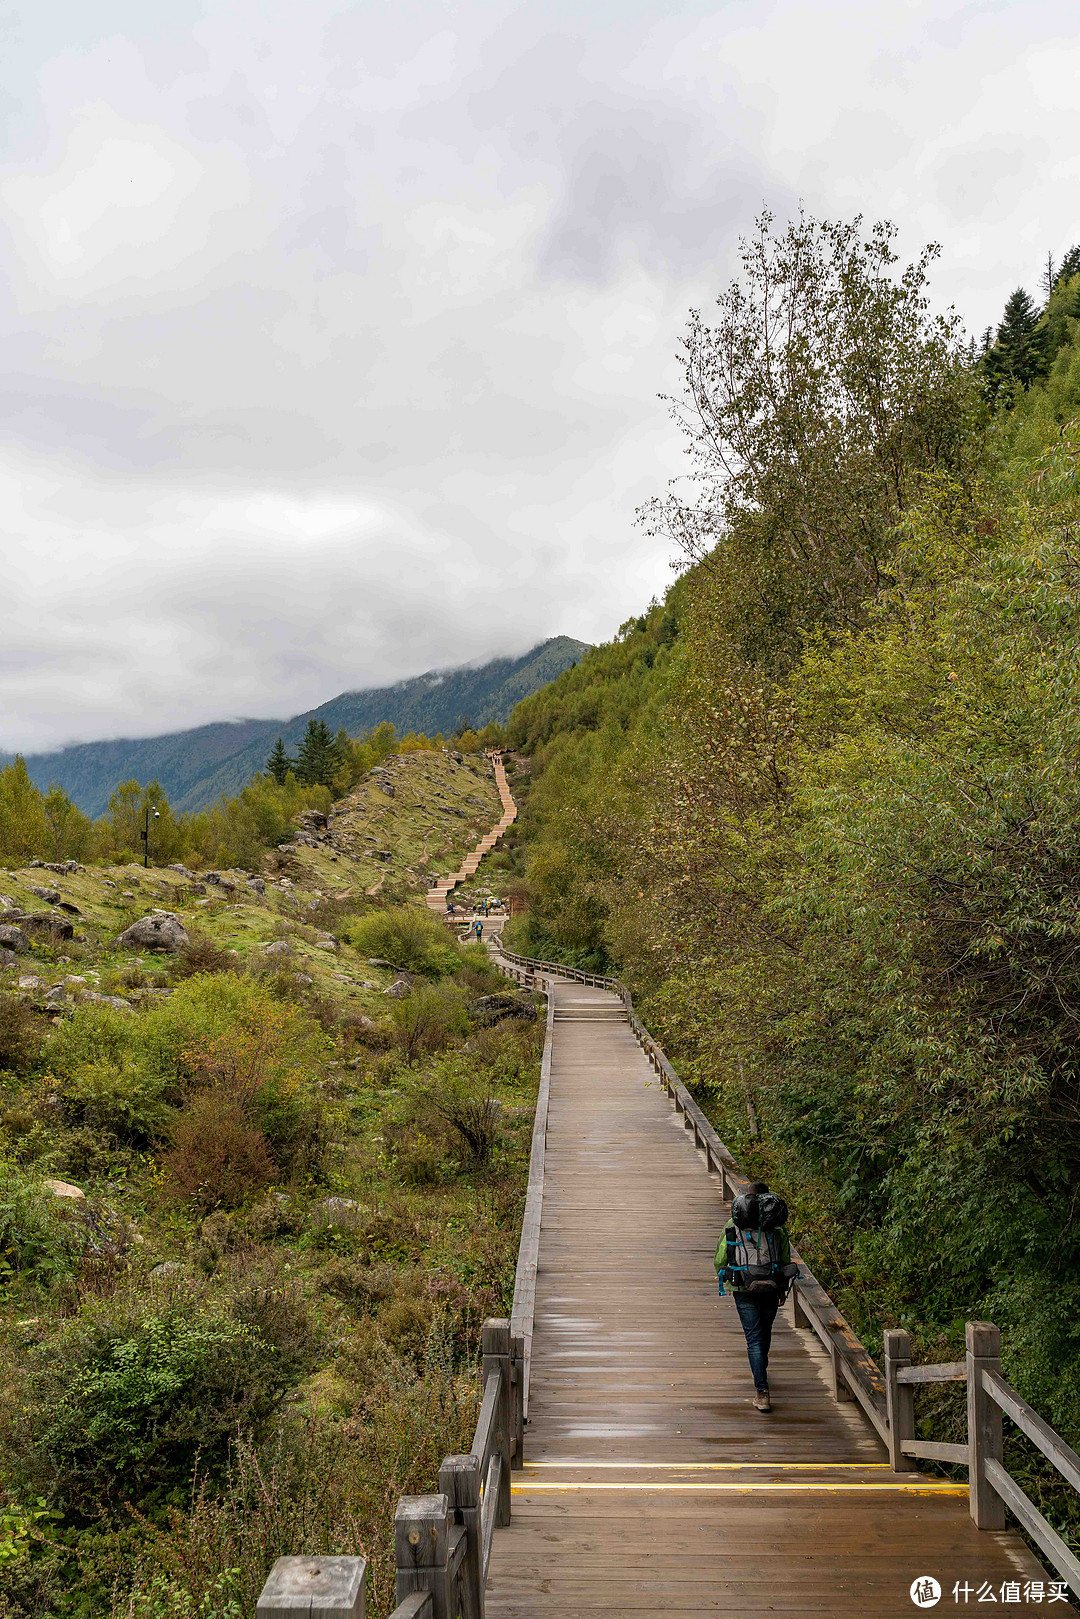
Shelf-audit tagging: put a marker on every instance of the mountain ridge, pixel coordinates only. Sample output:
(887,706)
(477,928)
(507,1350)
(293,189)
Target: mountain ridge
(196,767)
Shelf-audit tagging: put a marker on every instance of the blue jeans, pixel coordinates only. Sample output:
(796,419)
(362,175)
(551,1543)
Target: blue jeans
(757,1316)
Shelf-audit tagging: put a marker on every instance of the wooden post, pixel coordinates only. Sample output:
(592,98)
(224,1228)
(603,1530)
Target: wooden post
(900,1399)
(302,1587)
(517,1399)
(421,1544)
(459,1480)
(799,1315)
(984,1425)
(841,1392)
(495,1340)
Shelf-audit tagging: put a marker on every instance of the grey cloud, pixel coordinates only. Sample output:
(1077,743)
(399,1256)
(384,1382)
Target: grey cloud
(366,382)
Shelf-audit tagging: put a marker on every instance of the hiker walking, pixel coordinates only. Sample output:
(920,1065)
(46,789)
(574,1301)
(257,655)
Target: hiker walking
(479,930)
(753,1257)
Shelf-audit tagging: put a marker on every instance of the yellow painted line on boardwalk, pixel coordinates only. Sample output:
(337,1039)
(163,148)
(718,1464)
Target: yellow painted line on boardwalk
(929,1487)
(725,1467)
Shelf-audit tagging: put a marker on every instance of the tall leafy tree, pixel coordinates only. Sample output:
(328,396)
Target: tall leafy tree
(279,764)
(68,827)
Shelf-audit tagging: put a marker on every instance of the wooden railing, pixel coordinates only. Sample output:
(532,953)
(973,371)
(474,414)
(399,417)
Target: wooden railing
(442,1542)
(887,1399)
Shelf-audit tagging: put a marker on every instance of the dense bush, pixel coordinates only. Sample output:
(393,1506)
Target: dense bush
(219,1035)
(218,1155)
(409,937)
(139,1390)
(37,1237)
(20,1034)
(429,1019)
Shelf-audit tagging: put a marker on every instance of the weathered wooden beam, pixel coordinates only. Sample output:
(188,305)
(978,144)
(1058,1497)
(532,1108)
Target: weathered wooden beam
(933,1450)
(900,1401)
(459,1481)
(495,1342)
(949,1371)
(1012,1496)
(984,1424)
(326,1587)
(421,1548)
(1029,1422)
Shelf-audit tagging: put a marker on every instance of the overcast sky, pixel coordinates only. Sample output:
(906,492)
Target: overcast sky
(334,333)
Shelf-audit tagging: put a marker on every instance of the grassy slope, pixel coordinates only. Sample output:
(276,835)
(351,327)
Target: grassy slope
(428,1252)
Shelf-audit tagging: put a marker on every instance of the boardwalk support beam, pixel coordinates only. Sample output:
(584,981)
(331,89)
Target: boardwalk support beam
(421,1548)
(459,1480)
(984,1425)
(900,1398)
(495,1341)
(314,1588)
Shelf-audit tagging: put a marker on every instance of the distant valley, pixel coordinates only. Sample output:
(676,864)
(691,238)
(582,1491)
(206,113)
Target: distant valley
(196,767)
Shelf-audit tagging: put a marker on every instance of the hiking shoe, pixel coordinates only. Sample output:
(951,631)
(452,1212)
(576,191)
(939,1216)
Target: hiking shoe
(761,1400)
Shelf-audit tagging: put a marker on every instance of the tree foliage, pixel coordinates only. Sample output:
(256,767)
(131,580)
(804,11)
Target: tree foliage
(822,806)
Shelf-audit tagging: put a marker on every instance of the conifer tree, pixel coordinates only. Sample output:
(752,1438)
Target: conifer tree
(318,762)
(279,764)
(1019,352)
(1069,266)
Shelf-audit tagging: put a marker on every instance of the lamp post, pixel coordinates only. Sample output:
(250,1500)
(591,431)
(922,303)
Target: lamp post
(145,834)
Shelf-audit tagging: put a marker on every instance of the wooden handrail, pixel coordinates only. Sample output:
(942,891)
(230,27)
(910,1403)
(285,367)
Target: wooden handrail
(443,1541)
(886,1400)
(854,1371)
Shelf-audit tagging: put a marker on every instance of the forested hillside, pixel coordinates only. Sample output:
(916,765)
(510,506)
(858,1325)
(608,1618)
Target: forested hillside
(196,767)
(821,806)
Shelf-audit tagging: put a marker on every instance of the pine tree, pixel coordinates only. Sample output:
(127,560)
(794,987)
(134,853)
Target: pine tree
(1019,353)
(1069,266)
(318,761)
(279,764)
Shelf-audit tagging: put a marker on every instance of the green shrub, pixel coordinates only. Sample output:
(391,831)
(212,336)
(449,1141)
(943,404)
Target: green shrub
(204,955)
(407,937)
(429,1019)
(20,1034)
(37,1238)
(132,1395)
(118,1097)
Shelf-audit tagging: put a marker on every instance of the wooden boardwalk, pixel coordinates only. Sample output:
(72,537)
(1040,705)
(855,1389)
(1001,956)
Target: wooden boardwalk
(651,1485)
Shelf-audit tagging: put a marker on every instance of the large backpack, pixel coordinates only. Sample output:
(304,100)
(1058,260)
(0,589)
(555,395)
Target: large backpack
(753,1252)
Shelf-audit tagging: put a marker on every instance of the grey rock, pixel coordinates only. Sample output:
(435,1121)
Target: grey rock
(326,941)
(51,896)
(279,947)
(168,1267)
(491,1009)
(334,1211)
(51,924)
(398,989)
(257,884)
(219,880)
(117,1002)
(6,902)
(184,872)
(304,981)
(8,958)
(162,930)
(57,995)
(13,938)
(68,908)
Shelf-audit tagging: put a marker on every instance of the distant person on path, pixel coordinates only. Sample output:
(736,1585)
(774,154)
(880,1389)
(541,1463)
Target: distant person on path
(479,930)
(753,1257)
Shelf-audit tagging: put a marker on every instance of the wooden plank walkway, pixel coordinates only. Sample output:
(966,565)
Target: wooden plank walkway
(651,1485)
